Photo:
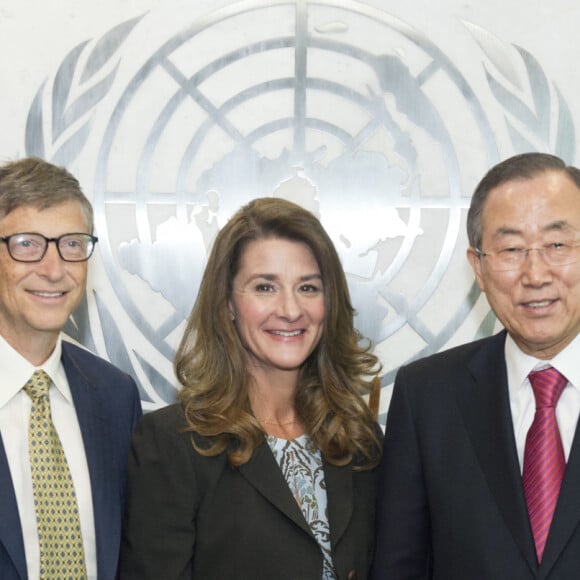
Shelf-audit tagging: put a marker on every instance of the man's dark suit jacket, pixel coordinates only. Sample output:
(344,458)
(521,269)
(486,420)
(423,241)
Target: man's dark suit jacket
(107,405)
(451,502)
(195,517)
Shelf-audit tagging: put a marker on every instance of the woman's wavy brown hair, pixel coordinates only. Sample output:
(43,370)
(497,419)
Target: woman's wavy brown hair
(211,361)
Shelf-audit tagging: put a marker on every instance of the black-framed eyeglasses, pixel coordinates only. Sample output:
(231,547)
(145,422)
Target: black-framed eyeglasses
(31,247)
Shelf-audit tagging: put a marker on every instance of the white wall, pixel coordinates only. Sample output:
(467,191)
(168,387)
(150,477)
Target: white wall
(390,174)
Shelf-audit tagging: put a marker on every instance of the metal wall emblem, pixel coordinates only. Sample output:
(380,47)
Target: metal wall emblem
(336,105)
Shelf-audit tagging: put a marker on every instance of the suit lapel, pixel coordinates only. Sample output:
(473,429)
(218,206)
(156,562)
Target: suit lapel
(89,413)
(567,515)
(264,474)
(486,410)
(339,496)
(97,453)
(10,528)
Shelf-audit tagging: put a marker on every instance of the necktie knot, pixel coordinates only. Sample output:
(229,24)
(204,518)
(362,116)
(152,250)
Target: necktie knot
(548,385)
(38,384)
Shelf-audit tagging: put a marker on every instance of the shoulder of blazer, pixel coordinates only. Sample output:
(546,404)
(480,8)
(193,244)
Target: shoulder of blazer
(169,428)
(90,364)
(102,378)
(458,357)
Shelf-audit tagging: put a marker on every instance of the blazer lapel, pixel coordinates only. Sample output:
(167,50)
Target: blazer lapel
(339,496)
(264,474)
(10,529)
(88,410)
(567,514)
(485,407)
(97,452)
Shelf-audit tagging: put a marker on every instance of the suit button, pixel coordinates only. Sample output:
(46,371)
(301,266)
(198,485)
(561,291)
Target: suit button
(352,575)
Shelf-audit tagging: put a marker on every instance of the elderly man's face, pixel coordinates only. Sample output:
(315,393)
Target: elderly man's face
(538,303)
(36,298)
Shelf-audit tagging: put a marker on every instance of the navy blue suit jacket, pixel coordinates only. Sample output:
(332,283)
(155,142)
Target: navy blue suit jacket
(451,501)
(107,405)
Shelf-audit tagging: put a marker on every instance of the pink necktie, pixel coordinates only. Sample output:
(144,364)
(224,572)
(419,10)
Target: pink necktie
(544,462)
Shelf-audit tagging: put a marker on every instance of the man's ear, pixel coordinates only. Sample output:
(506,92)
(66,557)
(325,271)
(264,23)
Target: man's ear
(475,261)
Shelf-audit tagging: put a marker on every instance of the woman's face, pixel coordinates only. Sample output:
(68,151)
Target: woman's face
(277,303)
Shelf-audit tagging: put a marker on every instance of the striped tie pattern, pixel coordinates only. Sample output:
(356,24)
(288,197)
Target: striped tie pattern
(544,462)
(59,533)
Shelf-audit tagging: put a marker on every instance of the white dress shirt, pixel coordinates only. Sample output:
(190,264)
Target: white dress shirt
(521,394)
(15,407)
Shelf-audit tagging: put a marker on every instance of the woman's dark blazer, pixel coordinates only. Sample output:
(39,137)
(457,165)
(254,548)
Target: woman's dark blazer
(195,517)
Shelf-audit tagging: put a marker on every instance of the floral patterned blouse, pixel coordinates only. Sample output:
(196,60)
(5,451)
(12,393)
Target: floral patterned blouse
(301,465)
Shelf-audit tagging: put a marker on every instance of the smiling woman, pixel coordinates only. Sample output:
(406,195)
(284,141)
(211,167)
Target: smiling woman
(277,306)
(269,459)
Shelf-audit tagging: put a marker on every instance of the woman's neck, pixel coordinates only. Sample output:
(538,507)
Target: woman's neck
(273,403)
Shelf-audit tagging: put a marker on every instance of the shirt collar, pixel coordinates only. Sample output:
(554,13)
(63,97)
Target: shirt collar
(520,364)
(16,370)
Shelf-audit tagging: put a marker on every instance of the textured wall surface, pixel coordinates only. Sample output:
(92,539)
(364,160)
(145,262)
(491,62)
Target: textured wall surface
(380,117)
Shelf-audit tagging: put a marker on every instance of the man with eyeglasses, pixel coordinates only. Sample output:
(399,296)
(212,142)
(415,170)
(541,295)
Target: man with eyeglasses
(66,416)
(480,477)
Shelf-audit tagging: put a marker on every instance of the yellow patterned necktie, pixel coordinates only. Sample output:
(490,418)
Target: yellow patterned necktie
(59,531)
